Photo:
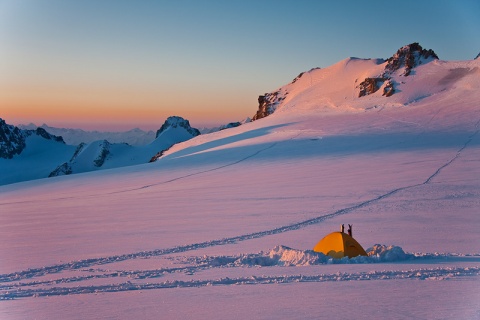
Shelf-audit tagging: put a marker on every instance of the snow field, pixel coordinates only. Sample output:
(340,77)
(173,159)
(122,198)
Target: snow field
(224,224)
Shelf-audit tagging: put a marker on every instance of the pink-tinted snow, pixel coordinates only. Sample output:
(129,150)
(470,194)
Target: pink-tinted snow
(223,225)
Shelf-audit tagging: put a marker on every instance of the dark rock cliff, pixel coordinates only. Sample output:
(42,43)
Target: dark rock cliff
(174,122)
(12,139)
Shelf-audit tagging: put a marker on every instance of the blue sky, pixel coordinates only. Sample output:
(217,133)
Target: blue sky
(123,64)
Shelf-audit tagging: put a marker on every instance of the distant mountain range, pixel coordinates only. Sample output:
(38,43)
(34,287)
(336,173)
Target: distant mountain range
(411,76)
(33,154)
(134,137)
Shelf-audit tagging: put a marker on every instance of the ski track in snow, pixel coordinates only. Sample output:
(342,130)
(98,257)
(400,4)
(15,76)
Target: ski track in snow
(470,138)
(162,182)
(9,290)
(444,273)
(201,172)
(80,264)
(279,256)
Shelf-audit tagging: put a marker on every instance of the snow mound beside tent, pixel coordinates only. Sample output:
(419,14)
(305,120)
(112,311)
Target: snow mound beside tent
(289,257)
(286,256)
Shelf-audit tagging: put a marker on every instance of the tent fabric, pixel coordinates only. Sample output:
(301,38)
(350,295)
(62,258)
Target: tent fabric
(338,245)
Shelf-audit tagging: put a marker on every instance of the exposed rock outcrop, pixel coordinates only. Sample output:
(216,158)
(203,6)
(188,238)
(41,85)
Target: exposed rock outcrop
(389,89)
(301,74)
(103,152)
(63,169)
(369,86)
(407,57)
(174,122)
(159,155)
(96,155)
(268,103)
(12,139)
(66,167)
(230,125)
(80,147)
(44,134)
(402,63)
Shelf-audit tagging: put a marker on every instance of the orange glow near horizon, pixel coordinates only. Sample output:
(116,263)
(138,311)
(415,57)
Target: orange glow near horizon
(113,109)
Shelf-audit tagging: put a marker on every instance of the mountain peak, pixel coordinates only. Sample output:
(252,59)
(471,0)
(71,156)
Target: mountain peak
(409,56)
(412,73)
(12,139)
(175,122)
(44,134)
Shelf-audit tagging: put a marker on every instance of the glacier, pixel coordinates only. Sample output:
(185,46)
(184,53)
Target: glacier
(222,225)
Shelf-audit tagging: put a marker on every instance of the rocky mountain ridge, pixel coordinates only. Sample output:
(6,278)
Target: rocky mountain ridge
(12,139)
(134,137)
(175,122)
(402,63)
(406,59)
(92,156)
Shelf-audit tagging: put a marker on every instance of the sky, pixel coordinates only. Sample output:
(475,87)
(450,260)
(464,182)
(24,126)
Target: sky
(117,65)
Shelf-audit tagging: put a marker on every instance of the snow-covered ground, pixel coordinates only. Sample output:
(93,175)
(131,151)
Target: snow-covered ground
(223,225)
(39,158)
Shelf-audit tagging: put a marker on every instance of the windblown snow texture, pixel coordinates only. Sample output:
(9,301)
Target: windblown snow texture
(227,221)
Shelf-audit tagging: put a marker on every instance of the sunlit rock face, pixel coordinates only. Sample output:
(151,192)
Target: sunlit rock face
(267,104)
(408,57)
(385,79)
(404,61)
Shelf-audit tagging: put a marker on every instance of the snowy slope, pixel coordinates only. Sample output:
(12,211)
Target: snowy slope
(104,155)
(227,221)
(38,158)
(336,88)
(44,158)
(329,89)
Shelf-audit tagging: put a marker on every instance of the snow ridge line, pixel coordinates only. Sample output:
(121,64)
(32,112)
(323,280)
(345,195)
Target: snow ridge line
(443,273)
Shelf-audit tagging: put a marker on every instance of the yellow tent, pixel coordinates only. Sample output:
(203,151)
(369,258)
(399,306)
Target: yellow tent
(339,245)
